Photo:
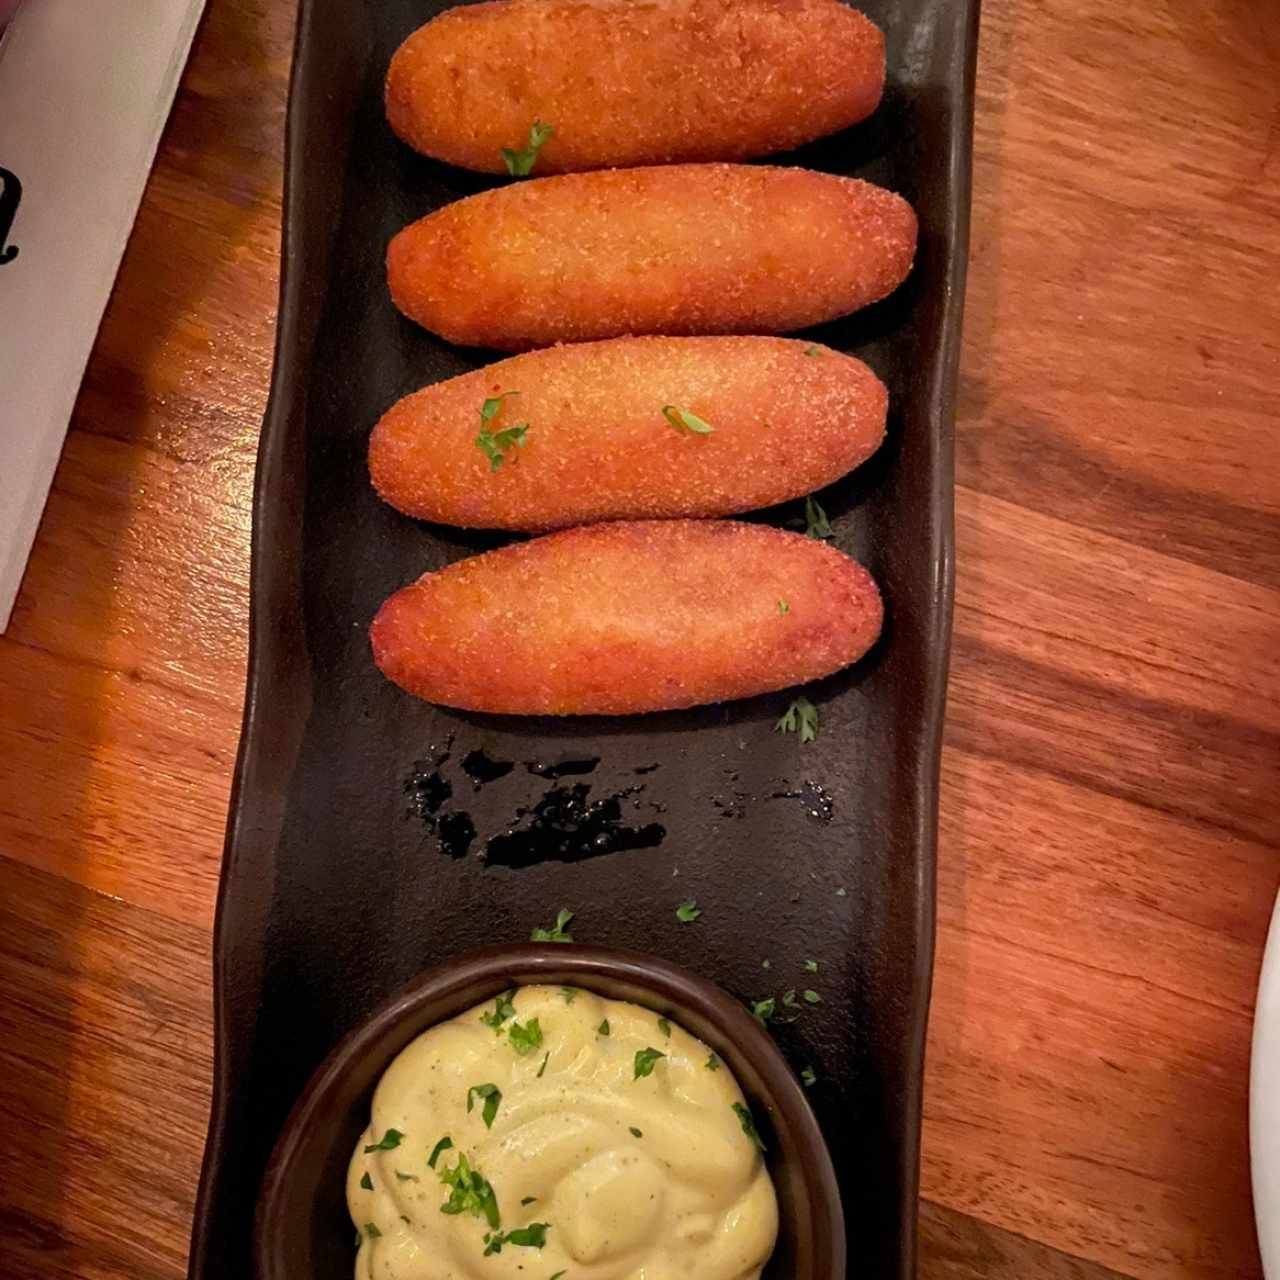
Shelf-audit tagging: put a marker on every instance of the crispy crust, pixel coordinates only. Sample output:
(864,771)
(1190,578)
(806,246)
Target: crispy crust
(785,422)
(628,83)
(677,249)
(629,617)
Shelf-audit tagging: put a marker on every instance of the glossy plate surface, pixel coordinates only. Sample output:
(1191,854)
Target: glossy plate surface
(372,836)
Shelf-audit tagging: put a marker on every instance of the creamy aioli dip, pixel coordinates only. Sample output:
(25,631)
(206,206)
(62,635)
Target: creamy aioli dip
(616,1176)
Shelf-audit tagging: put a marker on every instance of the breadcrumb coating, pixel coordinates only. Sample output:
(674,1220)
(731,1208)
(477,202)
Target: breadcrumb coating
(677,249)
(636,616)
(787,417)
(631,83)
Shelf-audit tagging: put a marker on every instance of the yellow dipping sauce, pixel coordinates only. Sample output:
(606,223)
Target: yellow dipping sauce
(575,1167)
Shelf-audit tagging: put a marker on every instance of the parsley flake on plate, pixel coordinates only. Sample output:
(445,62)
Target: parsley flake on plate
(366,1182)
(811,997)
(815,520)
(809,1077)
(371,1230)
(520,160)
(712,1063)
(542,1070)
(783,607)
(558,931)
(800,717)
(665,1027)
(811,966)
(443,1145)
(688,912)
(763,1010)
(603,1028)
(645,1060)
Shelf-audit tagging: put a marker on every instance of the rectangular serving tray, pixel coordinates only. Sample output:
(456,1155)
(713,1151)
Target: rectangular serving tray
(347,868)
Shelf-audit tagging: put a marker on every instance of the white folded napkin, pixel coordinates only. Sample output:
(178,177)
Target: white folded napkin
(85,89)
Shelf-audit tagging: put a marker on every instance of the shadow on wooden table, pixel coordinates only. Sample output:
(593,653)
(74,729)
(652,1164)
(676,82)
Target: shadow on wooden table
(120,687)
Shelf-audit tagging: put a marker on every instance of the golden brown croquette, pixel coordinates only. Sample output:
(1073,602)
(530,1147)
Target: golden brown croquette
(628,617)
(626,83)
(676,249)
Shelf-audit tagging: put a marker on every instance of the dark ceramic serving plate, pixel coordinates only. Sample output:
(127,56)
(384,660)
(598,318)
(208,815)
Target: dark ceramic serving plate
(372,836)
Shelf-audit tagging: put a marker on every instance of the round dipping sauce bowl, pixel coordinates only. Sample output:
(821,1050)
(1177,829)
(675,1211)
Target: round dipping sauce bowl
(303,1228)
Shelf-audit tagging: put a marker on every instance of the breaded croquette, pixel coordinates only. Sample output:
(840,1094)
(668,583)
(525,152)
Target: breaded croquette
(675,249)
(626,429)
(612,619)
(622,83)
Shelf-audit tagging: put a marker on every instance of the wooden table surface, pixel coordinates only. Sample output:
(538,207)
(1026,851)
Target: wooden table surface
(1111,781)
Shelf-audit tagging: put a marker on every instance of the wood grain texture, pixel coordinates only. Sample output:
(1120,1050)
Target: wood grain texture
(1111,788)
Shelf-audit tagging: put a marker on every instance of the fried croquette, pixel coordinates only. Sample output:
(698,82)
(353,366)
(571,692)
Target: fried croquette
(629,428)
(675,249)
(612,619)
(621,83)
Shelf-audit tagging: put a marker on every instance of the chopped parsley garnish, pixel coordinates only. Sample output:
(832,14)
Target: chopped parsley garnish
(407,1177)
(712,1063)
(470,1192)
(811,997)
(534,1236)
(443,1145)
(558,931)
(748,1124)
(492,1097)
(520,161)
(763,1010)
(783,607)
(811,966)
(809,1077)
(389,1142)
(603,1028)
(559,1275)
(526,1038)
(665,1027)
(789,999)
(529,1200)
(636,1133)
(504,1007)
(570,994)
(366,1182)
(812,351)
(800,717)
(371,1230)
(645,1059)
(495,445)
(688,912)
(683,420)
(545,1059)
(815,520)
